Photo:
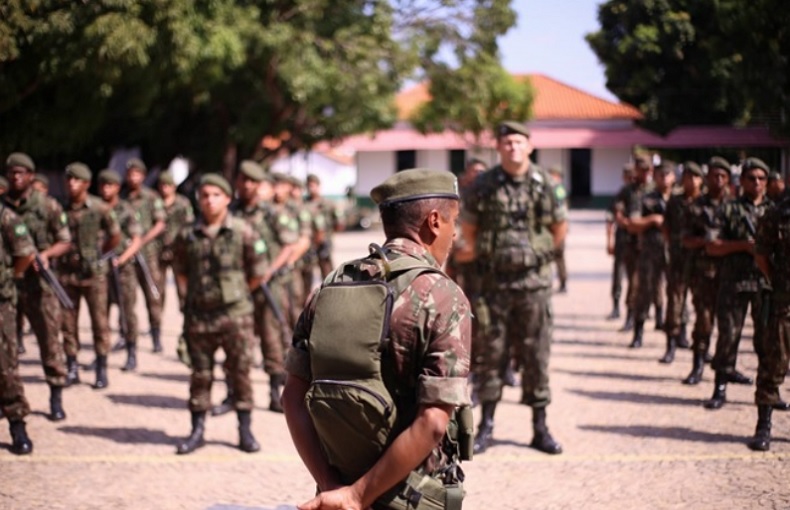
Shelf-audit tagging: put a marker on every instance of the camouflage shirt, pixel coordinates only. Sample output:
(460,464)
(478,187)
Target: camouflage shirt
(628,202)
(652,239)
(430,331)
(675,219)
(177,215)
(773,241)
(128,220)
(326,213)
(91,224)
(151,210)
(738,271)
(700,223)
(276,229)
(15,241)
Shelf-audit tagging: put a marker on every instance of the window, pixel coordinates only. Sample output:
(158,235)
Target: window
(405,160)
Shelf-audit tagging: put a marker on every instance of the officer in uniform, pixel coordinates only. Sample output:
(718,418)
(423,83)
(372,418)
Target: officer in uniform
(429,348)
(151,213)
(178,214)
(218,261)
(16,253)
(83,271)
(741,283)
(46,223)
(332,218)
(616,240)
(512,225)
(131,241)
(704,283)
(559,256)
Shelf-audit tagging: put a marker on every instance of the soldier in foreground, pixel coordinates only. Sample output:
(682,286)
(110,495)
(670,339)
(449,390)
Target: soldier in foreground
(218,261)
(422,369)
(47,225)
(512,225)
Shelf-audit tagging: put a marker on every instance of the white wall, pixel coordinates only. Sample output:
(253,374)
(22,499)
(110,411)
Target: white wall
(372,168)
(435,160)
(490,156)
(607,169)
(335,176)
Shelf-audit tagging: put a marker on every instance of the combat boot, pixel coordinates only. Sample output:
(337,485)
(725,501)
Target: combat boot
(683,339)
(696,370)
(131,358)
(56,412)
(781,405)
(119,345)
(156,337)
(276,382)
(72,371)
(225,406)
(738,378)
(669,356)
(247,442)
(719,392)
(20,442)
(509,377)
(101,372)
(659,318)
(629,321)
(195,439)
(20,342)
(639,330)
(761,441)
(542,439)
(615,312)
(485,431)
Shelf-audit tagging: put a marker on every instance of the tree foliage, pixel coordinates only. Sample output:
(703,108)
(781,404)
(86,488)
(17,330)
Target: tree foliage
(697,61)
(210,78)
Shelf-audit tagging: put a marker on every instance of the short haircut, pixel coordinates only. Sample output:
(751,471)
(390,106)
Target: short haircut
(403,218)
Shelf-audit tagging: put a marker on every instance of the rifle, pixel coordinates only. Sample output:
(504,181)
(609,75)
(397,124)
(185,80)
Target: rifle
(57,288)
(278,313)
(149,280)
(115,276)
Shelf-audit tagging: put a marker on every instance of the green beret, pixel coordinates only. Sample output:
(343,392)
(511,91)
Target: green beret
(313,178)
(774,176)
(719,162)
(667,167)
(109,176)
(280,177)
(251,170)
(166,178)
(296,182)
(79,171)
(415,184)
(136,163)
(20,159)
(512,128)
(218,181)
(3,182)
(690,167)
(755,164)
(556,170)
(43,179)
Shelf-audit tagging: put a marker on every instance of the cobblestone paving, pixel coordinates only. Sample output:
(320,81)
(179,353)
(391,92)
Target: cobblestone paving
(634,437)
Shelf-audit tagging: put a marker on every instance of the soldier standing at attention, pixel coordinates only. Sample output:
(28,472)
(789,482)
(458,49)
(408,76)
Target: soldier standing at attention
(317,226)
(681,259)
(16,253)
(83,272)
(512,224)
(152,220)
(616,240)
(218,261)
(559,256)
(776,186)
(741,282)
(702,216)
(421,370)
(131,240)
(332,218)
(178,214)
(772,251)
(46,222)
(41,184)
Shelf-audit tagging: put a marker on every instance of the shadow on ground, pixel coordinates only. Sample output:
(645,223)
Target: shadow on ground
(161,401)
(615,375)
(127,435)
(184,378)
(677,433)
(644,398)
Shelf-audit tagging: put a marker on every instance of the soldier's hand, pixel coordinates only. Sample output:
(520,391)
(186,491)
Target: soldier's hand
(344,498)
(610,248)
(44,262)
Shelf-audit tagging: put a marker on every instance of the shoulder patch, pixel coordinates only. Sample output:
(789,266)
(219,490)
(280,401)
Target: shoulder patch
(63,218)
(560,193)
(260,246)
(20,230)
(283,219)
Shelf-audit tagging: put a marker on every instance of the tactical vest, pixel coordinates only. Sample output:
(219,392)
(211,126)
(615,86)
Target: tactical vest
(34,214)
(7,288)
(217,281)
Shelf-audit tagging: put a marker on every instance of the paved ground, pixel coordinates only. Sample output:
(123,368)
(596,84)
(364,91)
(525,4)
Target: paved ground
(634,437)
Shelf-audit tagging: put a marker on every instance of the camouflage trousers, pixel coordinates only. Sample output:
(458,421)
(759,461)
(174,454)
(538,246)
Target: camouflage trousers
(308,281)
(522,320)
(274,337)
(773,358)
(618,271)
(205,334)
(12,394)
(731,314)
(677,294)
(166,262)
(630,261)
(559,260)
(128,287)
(95,293)
(42,310)
(325,264)
(650,283)
(468,278)
(294,287)
(705,292)
(152,304)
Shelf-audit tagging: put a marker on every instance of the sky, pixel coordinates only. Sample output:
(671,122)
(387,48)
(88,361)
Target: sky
(549,39)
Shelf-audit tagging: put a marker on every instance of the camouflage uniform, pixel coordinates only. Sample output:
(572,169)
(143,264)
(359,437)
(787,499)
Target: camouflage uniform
(330,217)
(177,215)
(309,261)
(559,254)
(287,216)
(47,225)
(219,309)
(678,270)
(84,274)
(652,262)
(621,238)
(130,227)
(15,241)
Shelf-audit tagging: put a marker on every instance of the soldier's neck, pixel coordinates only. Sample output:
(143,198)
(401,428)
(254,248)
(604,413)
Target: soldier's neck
(16,197)
(515,170)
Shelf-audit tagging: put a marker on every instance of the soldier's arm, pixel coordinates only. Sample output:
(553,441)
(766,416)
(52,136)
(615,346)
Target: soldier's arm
(467,250)
(559,232)
(767,236)
(254,258)
(158,227)
(135,243)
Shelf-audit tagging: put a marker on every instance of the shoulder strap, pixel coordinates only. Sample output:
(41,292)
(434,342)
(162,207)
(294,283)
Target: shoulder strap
(405,269)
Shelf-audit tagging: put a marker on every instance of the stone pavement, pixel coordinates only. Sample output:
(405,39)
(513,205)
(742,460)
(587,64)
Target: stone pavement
(634,437)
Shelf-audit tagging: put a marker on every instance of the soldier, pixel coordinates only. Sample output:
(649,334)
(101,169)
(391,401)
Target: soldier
(771,254)
(83,271)
(559,256)
(616,240)
(652,248)
(16,253)
(131,241)
(317,230)
(47,225)
(776,186)
(178,214)
(512,223)
(741,282)
(681,260)
(702,215)
(332,219)
(3,185)
(41,184)
(218,261)
(152,220)
(423,367)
